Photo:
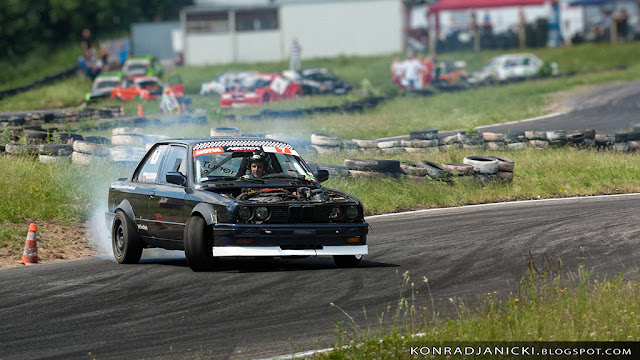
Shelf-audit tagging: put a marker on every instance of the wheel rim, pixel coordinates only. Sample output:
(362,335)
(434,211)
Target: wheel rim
(119,239)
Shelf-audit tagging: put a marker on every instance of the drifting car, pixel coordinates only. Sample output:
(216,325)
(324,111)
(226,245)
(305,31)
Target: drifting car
(260,88)
(103,84)
(142,65)
(196,195)
(225,81)
(143,87)
(510,67)
(318,81)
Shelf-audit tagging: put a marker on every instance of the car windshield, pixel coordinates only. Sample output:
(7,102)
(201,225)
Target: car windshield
(105,84)
(323,77)
(214,161)
(136,69)
(254,82)
(148,84)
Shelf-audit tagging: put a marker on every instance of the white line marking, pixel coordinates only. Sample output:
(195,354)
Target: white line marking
(525,120)
(506,203)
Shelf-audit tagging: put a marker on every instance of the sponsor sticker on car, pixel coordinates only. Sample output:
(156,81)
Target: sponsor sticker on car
(207,151)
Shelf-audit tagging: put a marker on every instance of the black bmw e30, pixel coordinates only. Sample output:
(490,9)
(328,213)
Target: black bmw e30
(198,195)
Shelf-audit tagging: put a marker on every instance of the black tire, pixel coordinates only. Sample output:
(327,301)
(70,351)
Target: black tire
(380,165)
(347,261)
(196,245)
(435,171)
(127,247)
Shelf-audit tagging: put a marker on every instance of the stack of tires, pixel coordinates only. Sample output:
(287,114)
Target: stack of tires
(494,141)
(150,140)
(447,143)
(473,141)
(390,146)
(421,141)
(19,149)
(515,140)
(128,146)
(366,145)
(90,149)
(223,131)
(458,171)
(485,169)
(537,139)
(54,153)
(373,168)
(326,144)
(505,167)
(557,138)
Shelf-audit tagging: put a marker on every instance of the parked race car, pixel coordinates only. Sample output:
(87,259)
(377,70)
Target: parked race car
(260,88)
(451,74)
(143,87)
(103,84)
(198,195)
(225,81)
(510,67)
(140,65)
(318,81)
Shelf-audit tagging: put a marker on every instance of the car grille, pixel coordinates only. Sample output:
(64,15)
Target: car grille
(297,214)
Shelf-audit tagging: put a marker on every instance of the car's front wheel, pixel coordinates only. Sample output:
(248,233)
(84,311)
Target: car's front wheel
(127,247)
(196,245)
(347,261)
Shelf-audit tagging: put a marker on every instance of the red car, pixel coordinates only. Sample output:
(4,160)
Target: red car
(144,87)
(260,88)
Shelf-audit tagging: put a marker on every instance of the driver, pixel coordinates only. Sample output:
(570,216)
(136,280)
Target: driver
(257,163)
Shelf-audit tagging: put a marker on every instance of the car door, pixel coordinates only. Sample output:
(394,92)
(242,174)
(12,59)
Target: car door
(166,202)
(145,179)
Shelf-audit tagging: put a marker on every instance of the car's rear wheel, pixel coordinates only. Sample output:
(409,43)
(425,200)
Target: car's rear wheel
(347,261)
(127,247)
(196,244)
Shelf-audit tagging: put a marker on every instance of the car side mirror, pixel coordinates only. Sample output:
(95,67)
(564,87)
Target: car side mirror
(177,178)
(321,175)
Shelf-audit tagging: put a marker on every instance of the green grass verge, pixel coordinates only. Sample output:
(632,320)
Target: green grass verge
(548,306)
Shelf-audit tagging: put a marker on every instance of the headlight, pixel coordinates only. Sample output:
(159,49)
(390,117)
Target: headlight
(262,213)
(244,213)
(352,211)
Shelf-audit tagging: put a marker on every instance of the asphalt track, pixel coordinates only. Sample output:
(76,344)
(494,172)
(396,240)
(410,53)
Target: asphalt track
(160,309)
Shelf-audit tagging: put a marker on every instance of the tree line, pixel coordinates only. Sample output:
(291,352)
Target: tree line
(37,25)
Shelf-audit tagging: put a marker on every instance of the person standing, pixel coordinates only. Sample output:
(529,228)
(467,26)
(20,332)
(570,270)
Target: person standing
(396,71)
(85,41)
(412,71)
(296,53)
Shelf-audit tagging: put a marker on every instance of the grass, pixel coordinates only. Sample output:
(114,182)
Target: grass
(549,305)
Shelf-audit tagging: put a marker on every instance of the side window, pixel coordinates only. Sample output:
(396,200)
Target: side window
(148,173)
(525,61)
(176,160)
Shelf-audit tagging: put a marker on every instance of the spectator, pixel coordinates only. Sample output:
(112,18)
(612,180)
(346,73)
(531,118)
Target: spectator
(396,71)
(412,70)
(87,63)
(104,57)
(622,25)
(296,53)
(427,75)
(86,42)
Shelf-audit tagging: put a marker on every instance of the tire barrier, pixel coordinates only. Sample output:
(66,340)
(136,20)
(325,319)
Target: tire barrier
(48,79)
(225,132)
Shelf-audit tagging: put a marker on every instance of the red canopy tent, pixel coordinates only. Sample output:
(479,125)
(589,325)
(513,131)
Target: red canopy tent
(434,9)
(477,4)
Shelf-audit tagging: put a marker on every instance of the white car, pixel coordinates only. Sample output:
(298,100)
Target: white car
(225,81)
(510,67)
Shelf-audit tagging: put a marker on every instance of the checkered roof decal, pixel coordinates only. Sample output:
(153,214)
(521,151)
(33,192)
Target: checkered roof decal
(223,143)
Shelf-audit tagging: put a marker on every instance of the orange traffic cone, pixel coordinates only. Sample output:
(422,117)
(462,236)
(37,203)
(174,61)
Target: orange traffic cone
(140,110)
(30,255)
(121,111)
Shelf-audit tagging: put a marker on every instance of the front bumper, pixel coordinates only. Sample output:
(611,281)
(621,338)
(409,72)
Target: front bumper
(290,240)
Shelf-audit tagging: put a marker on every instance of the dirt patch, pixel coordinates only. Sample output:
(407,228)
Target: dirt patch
(55,242)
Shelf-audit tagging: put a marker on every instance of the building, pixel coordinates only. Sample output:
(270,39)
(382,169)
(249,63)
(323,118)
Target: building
(221,32)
